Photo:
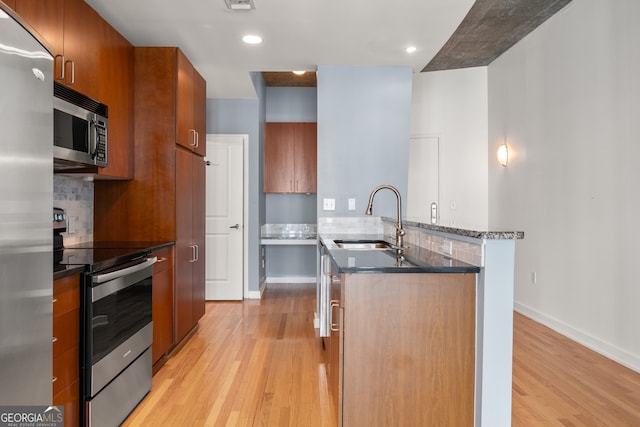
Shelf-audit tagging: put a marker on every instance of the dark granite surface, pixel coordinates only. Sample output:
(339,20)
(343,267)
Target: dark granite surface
(411,259)
(62,271)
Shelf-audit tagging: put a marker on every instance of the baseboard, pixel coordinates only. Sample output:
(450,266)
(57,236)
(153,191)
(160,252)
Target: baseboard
(256,294)
(610,351)
(253,295)
(292,279)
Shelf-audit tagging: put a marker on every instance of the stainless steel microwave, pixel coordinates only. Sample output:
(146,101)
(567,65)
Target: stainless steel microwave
(79,130)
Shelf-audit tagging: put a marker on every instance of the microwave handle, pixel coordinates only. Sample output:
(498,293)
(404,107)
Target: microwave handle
(93,138)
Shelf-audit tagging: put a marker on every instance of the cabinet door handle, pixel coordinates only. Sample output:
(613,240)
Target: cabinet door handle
(54,379)
(194,134)
(197,253)
(193,253)
(59,59)
(73,71)
(161,260)
(197,139)
(334,326)
(54,339)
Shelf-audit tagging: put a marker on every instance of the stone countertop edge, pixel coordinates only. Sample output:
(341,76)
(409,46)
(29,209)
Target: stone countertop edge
(475,234)
(66,271)
(289,236)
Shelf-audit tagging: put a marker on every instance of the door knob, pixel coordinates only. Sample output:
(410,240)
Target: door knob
(237,226)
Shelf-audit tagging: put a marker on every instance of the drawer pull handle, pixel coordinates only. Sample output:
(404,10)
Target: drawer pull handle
(334,326)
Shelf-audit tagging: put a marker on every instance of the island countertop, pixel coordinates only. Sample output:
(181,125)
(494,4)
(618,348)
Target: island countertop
(411,259)
(472,232)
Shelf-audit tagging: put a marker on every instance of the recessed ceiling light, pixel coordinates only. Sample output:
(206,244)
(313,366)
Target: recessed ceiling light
(252,39)
(411,49)
(299,73)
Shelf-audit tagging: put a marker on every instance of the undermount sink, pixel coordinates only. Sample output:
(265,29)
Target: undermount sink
(363,244)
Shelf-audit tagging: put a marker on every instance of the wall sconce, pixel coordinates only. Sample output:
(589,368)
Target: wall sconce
(503,155)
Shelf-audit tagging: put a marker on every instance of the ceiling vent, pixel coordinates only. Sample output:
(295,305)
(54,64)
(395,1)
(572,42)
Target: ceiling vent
(240,4)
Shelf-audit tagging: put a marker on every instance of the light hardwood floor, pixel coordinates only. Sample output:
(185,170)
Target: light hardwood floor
(259,363)
(557,382)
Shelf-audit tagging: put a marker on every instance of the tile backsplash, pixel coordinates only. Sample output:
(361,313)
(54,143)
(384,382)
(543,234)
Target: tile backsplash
(75,196)
(470,253)
(350,225)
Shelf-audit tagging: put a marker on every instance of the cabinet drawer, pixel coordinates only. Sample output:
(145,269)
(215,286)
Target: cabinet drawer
(66,332)
(69,397)
(66,369)
(66,295)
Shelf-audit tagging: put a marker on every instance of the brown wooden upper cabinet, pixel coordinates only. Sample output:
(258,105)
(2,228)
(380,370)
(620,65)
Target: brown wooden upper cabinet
(115,81)
(191,107)
(10,3)
(69,26)
(290,157)
(94,59)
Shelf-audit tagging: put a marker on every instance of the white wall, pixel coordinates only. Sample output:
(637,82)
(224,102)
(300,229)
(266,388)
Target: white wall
(566,100)
(453,106)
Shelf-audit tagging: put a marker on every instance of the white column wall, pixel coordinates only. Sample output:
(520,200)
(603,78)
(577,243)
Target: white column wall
(452,105)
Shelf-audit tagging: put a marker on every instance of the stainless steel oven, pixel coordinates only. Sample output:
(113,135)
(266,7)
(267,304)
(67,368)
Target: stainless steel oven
(117,333)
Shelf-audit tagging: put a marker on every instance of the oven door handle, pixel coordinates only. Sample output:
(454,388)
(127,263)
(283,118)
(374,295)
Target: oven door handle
(101,278)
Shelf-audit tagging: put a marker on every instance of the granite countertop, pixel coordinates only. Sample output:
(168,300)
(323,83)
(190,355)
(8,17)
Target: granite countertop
(463,231)
(288,232)
(62,271)
(411,259)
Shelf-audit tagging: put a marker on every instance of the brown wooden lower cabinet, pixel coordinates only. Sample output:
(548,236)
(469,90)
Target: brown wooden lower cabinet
(162,303)
(190,250)
(406,349)
(66,347)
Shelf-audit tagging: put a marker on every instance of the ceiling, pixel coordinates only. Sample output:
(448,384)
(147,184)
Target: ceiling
(302,34)
(297,34)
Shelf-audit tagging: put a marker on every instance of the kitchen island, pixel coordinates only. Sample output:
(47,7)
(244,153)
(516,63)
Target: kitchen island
(426,294)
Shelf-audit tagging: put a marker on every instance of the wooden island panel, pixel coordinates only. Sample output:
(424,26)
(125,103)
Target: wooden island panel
(409,349)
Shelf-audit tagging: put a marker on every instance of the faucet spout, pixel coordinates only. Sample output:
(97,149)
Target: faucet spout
(400,232)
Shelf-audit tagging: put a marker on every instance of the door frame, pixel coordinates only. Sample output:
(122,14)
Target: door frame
(245,205)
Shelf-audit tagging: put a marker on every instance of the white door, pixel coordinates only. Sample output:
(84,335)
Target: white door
(225,217)
(423,195)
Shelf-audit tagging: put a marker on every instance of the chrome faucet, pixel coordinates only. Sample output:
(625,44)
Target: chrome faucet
(399,230)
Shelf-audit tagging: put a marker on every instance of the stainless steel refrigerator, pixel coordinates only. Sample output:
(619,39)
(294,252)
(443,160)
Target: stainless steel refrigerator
(26,193)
